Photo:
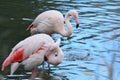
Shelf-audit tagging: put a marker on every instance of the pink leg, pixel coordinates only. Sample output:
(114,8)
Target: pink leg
(48,66)
(33,74)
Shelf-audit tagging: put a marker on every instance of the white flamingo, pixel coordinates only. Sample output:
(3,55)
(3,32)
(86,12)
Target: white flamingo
(31,52)
(52,21)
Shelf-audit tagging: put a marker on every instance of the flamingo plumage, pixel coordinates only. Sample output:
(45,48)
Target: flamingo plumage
(52,21)
(31,51)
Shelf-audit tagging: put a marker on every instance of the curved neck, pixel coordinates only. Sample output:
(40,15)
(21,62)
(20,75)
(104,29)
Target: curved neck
(69,26)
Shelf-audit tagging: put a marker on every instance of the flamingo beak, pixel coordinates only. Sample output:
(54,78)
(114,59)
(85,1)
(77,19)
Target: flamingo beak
(77,21)
(77,25)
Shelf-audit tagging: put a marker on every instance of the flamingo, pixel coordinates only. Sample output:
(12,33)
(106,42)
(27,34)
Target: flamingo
(31,51)
(52,21)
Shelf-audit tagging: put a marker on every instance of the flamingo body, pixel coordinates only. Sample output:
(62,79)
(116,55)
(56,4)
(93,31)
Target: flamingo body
(31,52)
(46,20)
(52,21)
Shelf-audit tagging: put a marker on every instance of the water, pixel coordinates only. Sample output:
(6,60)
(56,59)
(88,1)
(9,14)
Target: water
(92,51)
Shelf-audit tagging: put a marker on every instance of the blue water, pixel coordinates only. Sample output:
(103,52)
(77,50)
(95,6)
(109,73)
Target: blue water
(91,52)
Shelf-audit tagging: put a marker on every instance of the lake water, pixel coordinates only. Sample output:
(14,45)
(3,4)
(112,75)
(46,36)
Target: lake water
(92,52)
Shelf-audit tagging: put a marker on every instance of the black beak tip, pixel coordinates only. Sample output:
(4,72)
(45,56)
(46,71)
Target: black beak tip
(77,25)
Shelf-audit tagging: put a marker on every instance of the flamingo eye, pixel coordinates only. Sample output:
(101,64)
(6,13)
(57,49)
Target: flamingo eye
(56,54)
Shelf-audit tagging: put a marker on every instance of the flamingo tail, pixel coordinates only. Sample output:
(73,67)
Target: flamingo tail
(30,26)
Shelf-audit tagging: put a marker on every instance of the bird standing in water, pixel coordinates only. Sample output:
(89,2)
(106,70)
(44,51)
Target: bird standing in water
(31,52)
(52,21)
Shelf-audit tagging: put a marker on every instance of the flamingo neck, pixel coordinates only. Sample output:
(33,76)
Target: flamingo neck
(69,26)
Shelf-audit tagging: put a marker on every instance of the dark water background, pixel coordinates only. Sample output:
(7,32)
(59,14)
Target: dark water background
(91,53)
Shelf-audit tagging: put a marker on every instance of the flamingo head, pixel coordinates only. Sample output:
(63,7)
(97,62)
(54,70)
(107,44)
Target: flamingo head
(74,13)
(55,56)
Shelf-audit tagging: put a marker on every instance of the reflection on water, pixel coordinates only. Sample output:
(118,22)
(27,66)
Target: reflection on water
(92,52)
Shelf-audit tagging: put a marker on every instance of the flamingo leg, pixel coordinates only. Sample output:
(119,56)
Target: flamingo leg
(14,66)
(43,65)
(48,66)
(33,74)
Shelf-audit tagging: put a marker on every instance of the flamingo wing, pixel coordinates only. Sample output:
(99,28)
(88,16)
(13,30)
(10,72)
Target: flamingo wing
(16,56)
(42,21)
(23,50)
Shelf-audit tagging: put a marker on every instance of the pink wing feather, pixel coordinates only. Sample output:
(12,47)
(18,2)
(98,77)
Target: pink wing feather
(30,26)
(17,56)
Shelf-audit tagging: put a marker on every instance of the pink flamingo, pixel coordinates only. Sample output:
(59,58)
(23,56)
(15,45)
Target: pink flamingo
(52,21)
(31,52)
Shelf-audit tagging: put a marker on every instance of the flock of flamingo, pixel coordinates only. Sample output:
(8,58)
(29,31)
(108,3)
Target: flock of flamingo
(40,47)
